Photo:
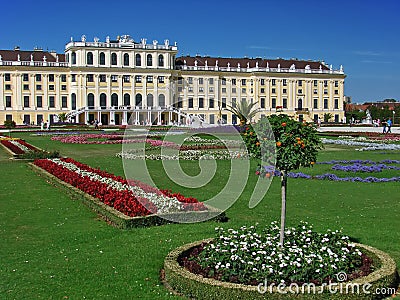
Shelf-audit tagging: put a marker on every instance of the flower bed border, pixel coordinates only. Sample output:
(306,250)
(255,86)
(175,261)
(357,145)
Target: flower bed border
(188,284)
(120,220)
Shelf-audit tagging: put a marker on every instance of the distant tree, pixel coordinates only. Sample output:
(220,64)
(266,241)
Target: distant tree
(327,117)
(244,110)
(9,124)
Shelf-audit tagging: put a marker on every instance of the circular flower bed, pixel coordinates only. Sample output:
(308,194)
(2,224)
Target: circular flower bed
(247,264)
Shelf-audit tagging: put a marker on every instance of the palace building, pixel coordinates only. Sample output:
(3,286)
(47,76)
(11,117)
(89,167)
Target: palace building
(122,81)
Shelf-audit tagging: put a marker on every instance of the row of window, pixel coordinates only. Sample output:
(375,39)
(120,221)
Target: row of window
(244,81)
(244,90)
(114,59)
(125,78)
(25,87)
(39,102)
(103,103)
(38,77)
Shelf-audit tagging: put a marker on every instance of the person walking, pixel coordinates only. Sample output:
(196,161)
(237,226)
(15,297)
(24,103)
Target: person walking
(384,126)
(389,126)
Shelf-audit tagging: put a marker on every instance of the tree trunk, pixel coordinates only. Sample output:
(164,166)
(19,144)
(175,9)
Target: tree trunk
(283,211)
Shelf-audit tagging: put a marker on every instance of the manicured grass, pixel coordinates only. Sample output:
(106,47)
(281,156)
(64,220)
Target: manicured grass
(54,247)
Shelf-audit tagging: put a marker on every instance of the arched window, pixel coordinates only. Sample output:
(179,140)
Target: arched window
(161,60)
(90,101)
(126,59)
(102,59)
(149,100)
(114,59)
(89,58)
(114,100)
(138,100)
(103,100)
(149,60)
(300,104)
(73,58)
(161,100)
(138,60)
(127,100)
(73,101)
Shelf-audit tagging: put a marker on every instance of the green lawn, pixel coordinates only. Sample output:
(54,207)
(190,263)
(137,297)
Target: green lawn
(54,247)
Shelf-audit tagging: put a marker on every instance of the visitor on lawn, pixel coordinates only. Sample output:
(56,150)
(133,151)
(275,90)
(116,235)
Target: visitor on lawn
(389,126)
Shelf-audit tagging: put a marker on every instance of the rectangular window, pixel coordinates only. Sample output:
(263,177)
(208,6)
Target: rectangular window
(190,80)
(73,78)
(39,101)
(262,90)
(89,78)
(51,102)
(26,101)
(273,91)
(180,80)
(161,79)
(190,103)
(262,81)
(336,118)
(284,103)
(114,78)
(315,103)
(64,101)
(284,91)
(223,81)
(8,101)
(201,102)
(233,101)
(223,102)
(180,89)
(138,79)
(315,91)
(38,87)
(315,82)
(336,92)
(200,80)
(103,78)
(336,83)
(25,77)
(26,87)
(325,83)
(190,89)
(38,77)
(211,103)
(244,90)
(325,103)
(9,117)
(51,87)
(300,82)
(63,87)
(233,81)
(126,78)
(201,89)
(7,77)
(212,119)
(51,77)
(149,79)
(325,91)
(300,91)
(211,89)
(243,81)
(233,90)
(273,82)
(211,80)
(336,103)
(262,102)
(273,102)
(63,78)
(284,82)
(8,87)
(223,90)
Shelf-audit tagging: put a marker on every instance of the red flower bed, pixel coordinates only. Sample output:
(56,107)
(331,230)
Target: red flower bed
(12,147)
(22,142)
(124,201)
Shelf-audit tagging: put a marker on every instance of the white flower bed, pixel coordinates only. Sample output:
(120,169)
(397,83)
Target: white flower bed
(365,146)
(163,203)
(188,155)
(20,146)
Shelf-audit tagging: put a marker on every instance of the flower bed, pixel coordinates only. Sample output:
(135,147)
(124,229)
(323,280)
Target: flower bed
(192,285)
(133,198)
(17,146)
(188,155)
(365,146)
(341,165)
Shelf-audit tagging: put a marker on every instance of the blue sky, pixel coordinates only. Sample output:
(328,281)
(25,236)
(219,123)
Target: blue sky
(363,36)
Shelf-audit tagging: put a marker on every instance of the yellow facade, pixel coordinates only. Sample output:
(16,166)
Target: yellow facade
(122,80)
